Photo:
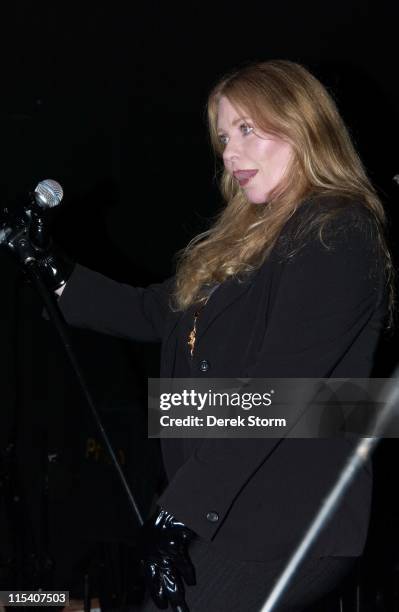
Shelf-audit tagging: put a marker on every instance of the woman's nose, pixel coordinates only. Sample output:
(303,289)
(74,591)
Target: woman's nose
(231,151)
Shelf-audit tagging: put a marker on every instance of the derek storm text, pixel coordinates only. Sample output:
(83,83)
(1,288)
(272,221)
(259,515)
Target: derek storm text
(213,421)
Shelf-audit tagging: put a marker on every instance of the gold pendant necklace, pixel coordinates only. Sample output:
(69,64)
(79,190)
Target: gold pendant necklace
(193,333)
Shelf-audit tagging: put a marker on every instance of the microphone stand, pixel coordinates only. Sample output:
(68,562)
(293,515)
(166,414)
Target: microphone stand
(357,458)
(20,245)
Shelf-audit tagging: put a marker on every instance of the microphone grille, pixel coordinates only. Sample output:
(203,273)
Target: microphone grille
(48,193)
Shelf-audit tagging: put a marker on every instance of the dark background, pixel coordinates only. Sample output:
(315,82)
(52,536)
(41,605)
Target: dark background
(109,100)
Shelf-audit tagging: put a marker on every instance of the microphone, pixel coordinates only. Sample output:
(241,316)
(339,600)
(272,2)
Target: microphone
(48,194)
(28,222)
(24,231)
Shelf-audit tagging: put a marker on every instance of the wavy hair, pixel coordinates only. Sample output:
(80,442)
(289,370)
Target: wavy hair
(283,98)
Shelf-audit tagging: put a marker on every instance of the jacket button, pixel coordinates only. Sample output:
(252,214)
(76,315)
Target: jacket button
(204,365)
(213,517)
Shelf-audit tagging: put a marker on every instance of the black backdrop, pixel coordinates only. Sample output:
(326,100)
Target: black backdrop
(109,100)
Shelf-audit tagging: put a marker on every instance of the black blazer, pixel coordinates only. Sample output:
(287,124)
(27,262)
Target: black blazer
(317,313)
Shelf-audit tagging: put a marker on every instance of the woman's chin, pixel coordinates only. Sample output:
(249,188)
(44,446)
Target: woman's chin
(257,199)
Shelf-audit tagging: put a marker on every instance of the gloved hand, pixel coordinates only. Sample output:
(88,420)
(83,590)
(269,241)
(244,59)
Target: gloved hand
(55,267)
(165,560)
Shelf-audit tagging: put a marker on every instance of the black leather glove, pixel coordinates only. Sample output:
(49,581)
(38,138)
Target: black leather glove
(55,267)
(165,560)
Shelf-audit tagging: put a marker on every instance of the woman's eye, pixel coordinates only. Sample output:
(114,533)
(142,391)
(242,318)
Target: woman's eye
(223,139)
(246,129)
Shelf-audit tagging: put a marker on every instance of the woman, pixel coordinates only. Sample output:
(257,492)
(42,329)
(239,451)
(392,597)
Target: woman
(291,281)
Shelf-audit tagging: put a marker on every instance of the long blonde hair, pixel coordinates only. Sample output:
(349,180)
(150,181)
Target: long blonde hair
(284,98)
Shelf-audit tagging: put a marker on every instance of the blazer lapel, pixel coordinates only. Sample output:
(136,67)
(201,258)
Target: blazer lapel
(222,298)
(170,325)
(168,355)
